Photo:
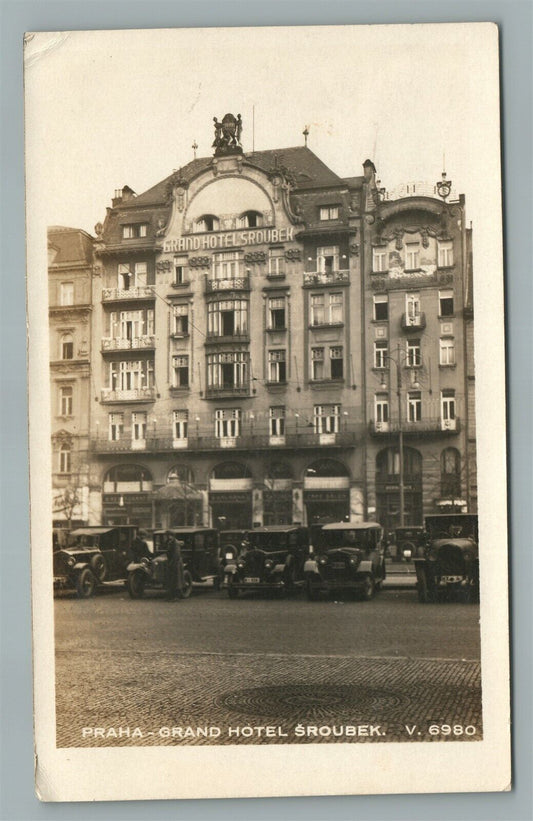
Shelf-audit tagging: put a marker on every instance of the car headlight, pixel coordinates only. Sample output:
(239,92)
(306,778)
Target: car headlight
(240,565)
(354,561)
(322,560)
(268,564)
(71,561)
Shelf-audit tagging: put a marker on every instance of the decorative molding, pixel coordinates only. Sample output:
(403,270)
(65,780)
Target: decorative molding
(199,262)
(293,254)
(163,265)
(255,256)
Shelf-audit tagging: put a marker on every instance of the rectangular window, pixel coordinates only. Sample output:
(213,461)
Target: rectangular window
(276,313)
(135,230)
(227,264)
(180,423)
(381,409)
(447,351)
(414,406)
(413,354)
(180,366)
(379,260)
(381,307)
(329,212)
(130,376)
(66,293)
(448,406)
(326,309)
(227,317)
(276,262)
(65,400)
(228,423)
(412,256)
(336,356)
(67,347)
(138,426)
(381,350)
(445,254)
(65,459)
(412,307)
(317,363)
(327,259)
(226,371)
(116,426)
(318,316)
(335,308)
(277,420)
(446,303)
(132,275)
(181,319)
(180,270)
(277,368)
(326,418)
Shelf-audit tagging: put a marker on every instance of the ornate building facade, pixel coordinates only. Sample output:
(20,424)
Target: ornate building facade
(70,262)
(248,312)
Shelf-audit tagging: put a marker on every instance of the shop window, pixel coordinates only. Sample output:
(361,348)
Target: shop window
(276,313)
(65,459)
(180,367)
(277,367)
(445,254)
(381,351)
(447,351)
(67,346)
(65,400)
(446,307)
(381,307)
(66,293)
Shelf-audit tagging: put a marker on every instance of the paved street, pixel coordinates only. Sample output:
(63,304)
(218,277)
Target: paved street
(131,671)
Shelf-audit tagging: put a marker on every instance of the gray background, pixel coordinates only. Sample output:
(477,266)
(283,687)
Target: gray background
(17,800)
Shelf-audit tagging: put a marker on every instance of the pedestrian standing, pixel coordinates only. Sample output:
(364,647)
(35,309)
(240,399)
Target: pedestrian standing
(174,566)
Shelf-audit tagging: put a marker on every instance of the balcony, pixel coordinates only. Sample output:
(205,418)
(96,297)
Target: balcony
(311,280)
(121,344)
(425,427)
(234,284)
(122,294)
(413,323)
(133,395)
(226,391)
(165,442)
(236,336)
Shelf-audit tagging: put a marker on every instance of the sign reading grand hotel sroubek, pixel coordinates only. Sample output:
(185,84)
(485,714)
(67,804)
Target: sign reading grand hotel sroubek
(232,239)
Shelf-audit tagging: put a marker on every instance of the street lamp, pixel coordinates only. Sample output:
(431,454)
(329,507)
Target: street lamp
(400,359)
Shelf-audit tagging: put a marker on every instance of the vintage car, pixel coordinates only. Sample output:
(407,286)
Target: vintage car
(407,541)
(274,560)
(199,547)
(94,555)
(232,543)
(449,561)
(347,556)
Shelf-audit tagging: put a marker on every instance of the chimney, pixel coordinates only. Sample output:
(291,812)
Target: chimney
(122,195)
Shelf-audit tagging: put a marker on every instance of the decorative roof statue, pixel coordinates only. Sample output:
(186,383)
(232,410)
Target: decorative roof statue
(228,135)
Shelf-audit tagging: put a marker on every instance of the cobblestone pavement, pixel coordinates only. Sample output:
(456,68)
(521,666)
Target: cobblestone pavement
(156,692)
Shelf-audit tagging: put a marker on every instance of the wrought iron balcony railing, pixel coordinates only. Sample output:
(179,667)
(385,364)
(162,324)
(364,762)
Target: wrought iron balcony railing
(133,395)
(420,428)
(413,323)
(230,284)
(121,344)
(139,292)
(326,277)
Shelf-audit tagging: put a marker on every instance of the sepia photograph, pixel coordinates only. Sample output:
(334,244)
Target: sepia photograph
(267,398)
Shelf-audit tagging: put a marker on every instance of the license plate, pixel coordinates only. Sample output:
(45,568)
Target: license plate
(338,565)
(252,580)
(450,579)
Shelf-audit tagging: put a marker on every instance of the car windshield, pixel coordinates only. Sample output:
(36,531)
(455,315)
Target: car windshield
(460,526)
(269,542)
(85,540)
(333,539)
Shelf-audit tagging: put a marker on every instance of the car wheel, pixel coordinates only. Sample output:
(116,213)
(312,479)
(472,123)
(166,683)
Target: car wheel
(85,584)
(98,567)
(312,592)
(233,592)
(368,589)
(136,583)
(186,587)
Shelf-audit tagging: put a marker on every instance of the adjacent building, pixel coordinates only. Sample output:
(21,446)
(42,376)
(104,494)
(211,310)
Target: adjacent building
(70,262)
(266,334)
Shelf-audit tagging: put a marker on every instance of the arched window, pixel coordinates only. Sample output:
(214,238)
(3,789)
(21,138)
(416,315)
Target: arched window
(450,473)
(207,222)
(65,458)
(250,219)
(67,346)
(180,473)
(388,462)
(127,479)
(231,470)
(327,467)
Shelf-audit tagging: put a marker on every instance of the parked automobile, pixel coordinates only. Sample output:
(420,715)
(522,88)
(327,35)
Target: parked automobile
(274,560)
(199,548)
(346,556)
(94,555)
(232,543)
(449,560)
(408,540)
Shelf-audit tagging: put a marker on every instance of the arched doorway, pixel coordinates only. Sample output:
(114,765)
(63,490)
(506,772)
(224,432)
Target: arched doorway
(230,496)
(327,492)
(388,511)
(127,496)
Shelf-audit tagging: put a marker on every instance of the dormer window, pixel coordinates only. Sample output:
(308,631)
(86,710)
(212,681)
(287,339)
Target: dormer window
(134,230)
(250,219)
(329,212)
(208,222)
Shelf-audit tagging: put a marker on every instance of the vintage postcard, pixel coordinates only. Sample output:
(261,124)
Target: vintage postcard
(267,398)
